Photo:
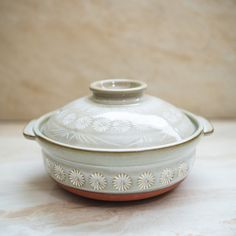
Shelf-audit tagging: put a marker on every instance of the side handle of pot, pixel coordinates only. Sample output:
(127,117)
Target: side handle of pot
(28,131)
(207,126)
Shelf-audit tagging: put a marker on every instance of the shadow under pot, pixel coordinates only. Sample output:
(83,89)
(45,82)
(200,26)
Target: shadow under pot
(118,144)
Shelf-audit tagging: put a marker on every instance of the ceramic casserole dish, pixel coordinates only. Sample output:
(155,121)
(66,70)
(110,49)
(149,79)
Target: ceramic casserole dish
(118,144)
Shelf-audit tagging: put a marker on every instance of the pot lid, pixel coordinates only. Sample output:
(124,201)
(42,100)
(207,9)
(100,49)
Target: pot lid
(118,115)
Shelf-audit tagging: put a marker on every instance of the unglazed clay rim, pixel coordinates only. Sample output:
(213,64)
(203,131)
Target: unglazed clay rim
(193,118)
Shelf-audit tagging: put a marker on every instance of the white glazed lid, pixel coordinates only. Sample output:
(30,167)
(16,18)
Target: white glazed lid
(118,116)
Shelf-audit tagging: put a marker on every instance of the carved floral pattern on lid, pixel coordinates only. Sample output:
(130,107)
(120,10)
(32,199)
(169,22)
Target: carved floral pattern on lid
(69,118)
(83,122)
(120,126)
(101,125)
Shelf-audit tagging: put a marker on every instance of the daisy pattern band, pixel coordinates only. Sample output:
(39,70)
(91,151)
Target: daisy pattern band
(97,180)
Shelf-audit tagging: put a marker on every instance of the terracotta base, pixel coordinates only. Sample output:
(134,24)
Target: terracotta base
(118,197)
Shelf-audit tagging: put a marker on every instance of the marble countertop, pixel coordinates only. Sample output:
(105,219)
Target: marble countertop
(32,204)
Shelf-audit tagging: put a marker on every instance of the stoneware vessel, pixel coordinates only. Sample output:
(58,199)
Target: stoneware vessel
(118,144)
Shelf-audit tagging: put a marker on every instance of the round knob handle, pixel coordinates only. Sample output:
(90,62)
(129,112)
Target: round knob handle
(117,89)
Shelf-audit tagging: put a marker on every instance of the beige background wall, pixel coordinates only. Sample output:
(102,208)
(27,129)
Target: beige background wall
(51,50)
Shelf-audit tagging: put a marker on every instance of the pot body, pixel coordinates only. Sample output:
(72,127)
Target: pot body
(119,176)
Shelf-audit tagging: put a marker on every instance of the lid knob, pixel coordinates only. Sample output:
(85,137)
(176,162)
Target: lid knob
(117,89)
